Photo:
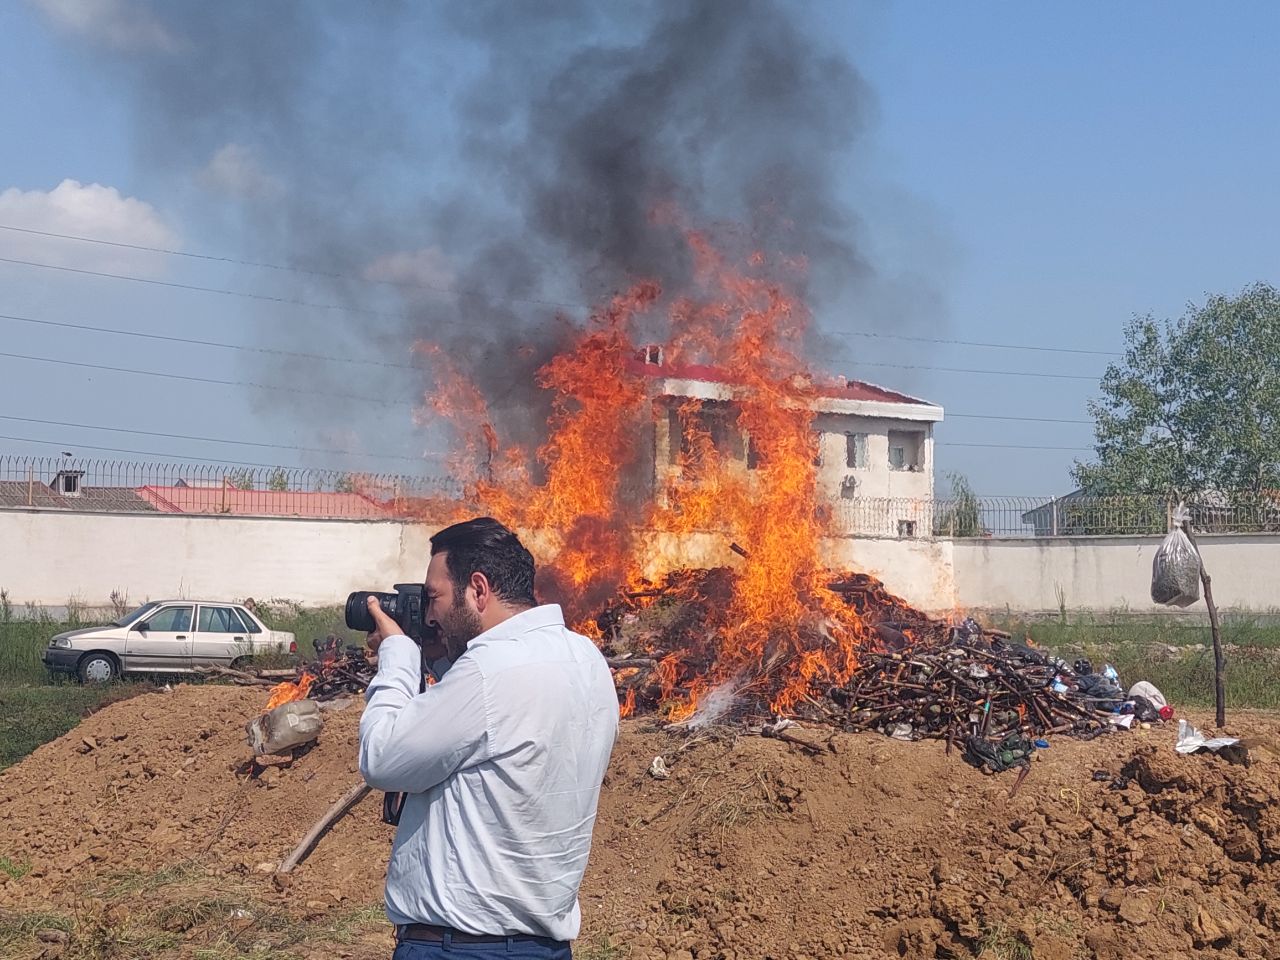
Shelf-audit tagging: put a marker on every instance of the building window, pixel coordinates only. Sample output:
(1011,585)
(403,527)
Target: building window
(849,488)
(906,528)
(855,456)
(905,450)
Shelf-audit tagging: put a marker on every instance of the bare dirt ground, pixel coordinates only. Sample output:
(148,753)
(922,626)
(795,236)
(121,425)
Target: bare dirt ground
(140,834)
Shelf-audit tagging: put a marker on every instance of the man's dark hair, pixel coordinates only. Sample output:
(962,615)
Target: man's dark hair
(483,545)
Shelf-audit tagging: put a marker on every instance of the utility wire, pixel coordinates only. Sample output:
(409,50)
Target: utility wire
(154,453)
(1010,446)
(185,436)
(405,366)
(167,338)
(172,456)
(462,294)
(288,268)
(225,383)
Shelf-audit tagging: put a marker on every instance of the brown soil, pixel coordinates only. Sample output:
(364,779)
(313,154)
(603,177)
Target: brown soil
(752,848)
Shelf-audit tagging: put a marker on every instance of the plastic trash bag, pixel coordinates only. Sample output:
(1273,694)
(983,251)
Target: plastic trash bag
(1175,572)
(288,725)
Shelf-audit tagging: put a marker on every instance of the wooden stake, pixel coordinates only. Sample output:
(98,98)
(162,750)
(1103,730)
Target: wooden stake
(323,826)
(1219,691)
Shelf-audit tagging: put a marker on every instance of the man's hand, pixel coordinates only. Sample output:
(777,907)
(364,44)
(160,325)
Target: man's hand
(384,626)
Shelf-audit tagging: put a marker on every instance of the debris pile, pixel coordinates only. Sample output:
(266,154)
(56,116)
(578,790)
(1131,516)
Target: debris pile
(914,677)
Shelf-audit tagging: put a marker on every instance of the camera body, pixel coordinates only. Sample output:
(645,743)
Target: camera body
(407,606)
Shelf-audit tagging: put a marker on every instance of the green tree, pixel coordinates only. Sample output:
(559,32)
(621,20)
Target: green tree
(1194,405)
(241,479)
(962,517)
(278,480)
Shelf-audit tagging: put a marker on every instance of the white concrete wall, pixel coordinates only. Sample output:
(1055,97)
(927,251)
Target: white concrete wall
(48,558)
(1108,573)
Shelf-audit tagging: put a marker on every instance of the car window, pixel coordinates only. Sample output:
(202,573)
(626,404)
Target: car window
(219,620)
(250,624)
(135,615)
(170,619)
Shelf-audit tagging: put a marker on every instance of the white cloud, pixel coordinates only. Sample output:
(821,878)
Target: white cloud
(236,171)
(84,210)
(427,267)
(120,24)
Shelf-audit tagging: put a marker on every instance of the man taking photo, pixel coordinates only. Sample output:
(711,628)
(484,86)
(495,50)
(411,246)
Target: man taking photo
(501,760)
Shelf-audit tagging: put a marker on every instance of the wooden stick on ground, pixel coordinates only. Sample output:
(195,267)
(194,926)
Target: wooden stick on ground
(323,826)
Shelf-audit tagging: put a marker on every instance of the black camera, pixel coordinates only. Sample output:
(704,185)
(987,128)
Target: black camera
(407,606)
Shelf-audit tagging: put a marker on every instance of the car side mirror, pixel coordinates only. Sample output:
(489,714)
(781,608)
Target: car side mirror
(143,627)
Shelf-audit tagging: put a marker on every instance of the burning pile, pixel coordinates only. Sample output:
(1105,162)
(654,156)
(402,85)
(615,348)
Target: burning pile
(910,677)
(336,672)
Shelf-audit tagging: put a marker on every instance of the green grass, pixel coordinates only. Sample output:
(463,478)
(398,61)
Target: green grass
(25,633)
(1175,654)
(188,910)
(16,869)
(36,707)
(30,716)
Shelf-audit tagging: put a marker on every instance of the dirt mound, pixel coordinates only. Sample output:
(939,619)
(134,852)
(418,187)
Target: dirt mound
(751,848)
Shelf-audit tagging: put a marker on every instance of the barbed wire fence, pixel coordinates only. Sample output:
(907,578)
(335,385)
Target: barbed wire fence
(123,486)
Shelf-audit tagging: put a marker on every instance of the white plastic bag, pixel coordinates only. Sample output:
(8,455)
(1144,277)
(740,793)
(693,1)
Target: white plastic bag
(1175,572)
(288,725)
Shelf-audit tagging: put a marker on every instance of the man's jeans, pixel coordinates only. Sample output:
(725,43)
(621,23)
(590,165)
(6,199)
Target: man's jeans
(510,950)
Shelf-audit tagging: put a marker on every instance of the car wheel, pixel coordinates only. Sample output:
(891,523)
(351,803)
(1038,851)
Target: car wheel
(97,668)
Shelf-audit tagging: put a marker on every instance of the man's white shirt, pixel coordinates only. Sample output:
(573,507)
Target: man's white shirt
(502,760)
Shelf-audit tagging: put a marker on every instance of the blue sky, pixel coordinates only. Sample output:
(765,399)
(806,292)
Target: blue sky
(1048,170)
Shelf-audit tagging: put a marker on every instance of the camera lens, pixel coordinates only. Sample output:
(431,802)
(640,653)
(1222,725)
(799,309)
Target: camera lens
(357,612)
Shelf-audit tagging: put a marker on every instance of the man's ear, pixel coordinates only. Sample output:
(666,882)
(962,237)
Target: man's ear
(484,593)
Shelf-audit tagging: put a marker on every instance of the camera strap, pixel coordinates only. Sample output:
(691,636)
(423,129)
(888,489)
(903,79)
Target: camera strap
(393,803)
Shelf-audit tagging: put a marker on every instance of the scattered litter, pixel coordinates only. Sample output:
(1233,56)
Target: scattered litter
(1124,720)
(658,769)
(901,731)
(1191,740)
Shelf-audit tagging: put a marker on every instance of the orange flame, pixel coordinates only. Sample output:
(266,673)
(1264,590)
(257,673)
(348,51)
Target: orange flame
(628,706)
(741,465)
(287,692)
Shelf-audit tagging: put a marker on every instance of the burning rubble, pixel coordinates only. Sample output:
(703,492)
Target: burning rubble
(770,634)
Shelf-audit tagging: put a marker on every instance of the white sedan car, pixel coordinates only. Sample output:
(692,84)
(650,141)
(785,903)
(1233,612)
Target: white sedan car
(166,636)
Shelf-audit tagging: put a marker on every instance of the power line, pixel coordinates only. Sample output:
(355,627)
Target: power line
(378,400)
(248,463)
(994,416)
(402,366)
(452,292)
(225,383)
(979,343)
(167,338)
(1011,446)
(199,289)
(987,373)
(152,453)
(184,436)
(293,268)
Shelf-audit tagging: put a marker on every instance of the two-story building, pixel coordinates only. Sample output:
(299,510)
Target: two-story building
(874,444)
